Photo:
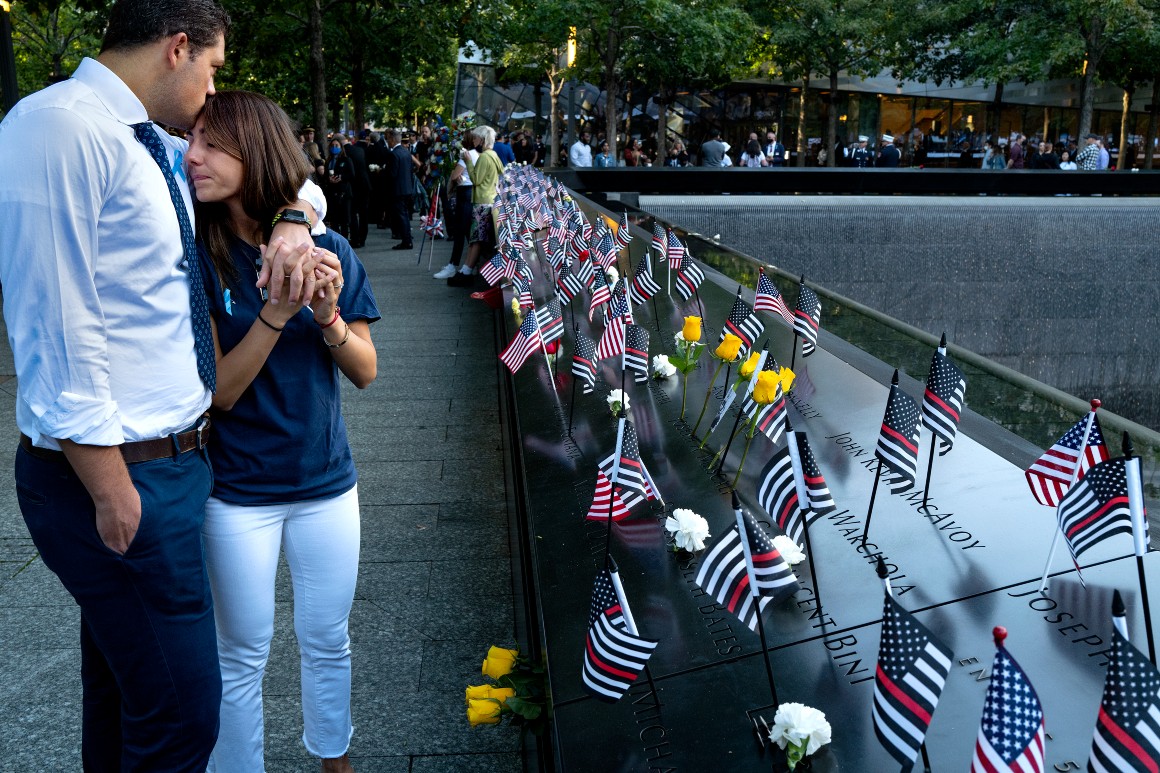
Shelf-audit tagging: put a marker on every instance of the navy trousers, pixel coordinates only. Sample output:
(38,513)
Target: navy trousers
(149,667)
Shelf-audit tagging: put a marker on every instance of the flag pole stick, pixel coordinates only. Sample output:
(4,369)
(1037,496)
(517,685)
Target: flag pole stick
(544,349)
(1139,530)
(793,355)
(929,467)
(1087,430)
(925,757)
(700,306)
(873,494)
(656,314)
(729,443)
(942,348)
(612,482)
(572,407)
(742,534)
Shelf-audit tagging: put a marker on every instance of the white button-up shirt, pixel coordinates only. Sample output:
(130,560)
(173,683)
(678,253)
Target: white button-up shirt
(95,295)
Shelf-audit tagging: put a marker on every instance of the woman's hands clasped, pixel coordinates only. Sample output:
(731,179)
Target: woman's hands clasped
(316,269)
(329,284)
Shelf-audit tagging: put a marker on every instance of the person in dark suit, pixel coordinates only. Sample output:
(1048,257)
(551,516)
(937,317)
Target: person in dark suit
(360,201)
(379,157)
(403,187)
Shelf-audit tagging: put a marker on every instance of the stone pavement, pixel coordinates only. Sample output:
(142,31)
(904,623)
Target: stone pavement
(434,586)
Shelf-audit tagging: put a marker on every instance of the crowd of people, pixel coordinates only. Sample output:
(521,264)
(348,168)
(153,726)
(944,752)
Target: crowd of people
(890,151)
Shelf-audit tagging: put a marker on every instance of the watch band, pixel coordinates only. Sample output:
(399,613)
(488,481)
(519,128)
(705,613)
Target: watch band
(291,216)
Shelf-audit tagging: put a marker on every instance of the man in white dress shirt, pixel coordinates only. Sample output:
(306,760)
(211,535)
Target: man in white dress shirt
(114,374)
(580,154)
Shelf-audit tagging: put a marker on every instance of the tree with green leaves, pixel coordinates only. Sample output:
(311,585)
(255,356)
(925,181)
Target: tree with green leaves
(50,37)
(530,37)
(685,49)
(822,37)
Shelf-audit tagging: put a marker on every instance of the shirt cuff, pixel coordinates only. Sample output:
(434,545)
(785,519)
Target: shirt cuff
(82,419)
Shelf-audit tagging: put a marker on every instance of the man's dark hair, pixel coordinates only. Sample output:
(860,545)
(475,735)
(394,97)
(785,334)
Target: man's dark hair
(138,22)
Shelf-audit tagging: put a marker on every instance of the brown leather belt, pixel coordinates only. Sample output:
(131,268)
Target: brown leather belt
(141,450)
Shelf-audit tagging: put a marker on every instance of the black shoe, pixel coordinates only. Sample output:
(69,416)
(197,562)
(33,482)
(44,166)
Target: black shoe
(359,245)
(461,280)
(407,246)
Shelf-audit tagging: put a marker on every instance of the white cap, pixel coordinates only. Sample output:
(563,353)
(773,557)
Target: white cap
(863,138)
(888,138)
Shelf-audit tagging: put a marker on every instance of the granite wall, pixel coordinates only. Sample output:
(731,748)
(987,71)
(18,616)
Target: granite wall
(1063,289)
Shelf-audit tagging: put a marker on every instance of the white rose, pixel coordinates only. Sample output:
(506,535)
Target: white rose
(795,723)
(662,368)
(612,275)
(679,338)
(789,550)
(616,400)
(689,530)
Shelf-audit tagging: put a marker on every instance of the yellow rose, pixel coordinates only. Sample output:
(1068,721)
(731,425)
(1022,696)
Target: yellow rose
(501,694)
(785,378)
(478,691)
(482,711)
(750,365)
(499,662)
(692,329)
(728,348)
(765,390)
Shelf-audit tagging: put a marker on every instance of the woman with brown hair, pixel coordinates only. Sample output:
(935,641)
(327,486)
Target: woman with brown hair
(283,472)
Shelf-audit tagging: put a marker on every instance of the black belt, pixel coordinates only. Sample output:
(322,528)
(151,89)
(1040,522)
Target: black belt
(141,450)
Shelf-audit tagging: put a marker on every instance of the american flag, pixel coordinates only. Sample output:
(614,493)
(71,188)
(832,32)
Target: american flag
(636,352)
(643,286)
(503,231)
(898,439)
(807,319)
(658,238)
(724,574)
(912,669)
(1127,735)
(605,252)
(527,340)
(517,266)
(1011,734)
(612,340)
(600,292)
(778,494)
(493,271)
(584,270)
(674,249)
(618,300)
(584,362)
(528,229)
(633,482)
(558,229)
(744,324)
(585,226)
(1050,475)
(554,251)
(819,500)
(567,285)
(614,653)
(623,232)
(577,245)
(689,277)
(770,418)
(1096,507)
(522,289)
(550,318)
(942,403)
(769,299)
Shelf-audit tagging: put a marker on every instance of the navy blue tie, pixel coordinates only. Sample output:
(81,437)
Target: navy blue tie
(198,303)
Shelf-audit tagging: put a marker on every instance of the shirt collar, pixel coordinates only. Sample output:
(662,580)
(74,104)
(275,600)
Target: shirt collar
(108,87)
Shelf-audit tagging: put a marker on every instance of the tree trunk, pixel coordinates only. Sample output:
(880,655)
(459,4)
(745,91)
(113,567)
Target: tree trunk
(317,73)
(832,119)
(1087,94)
(539,108)
(611,86)
(1125,118)
(555,86)
(801,127)
(996,112)
(662,130)
(358,91)
(1153,113)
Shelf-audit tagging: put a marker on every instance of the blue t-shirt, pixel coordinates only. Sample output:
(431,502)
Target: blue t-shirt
(505,152)
(284,440)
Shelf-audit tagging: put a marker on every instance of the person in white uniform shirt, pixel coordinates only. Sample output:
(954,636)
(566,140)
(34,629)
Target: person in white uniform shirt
(107,327)
(580,154)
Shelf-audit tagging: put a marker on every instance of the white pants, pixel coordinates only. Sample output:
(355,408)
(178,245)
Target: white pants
(321,539)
